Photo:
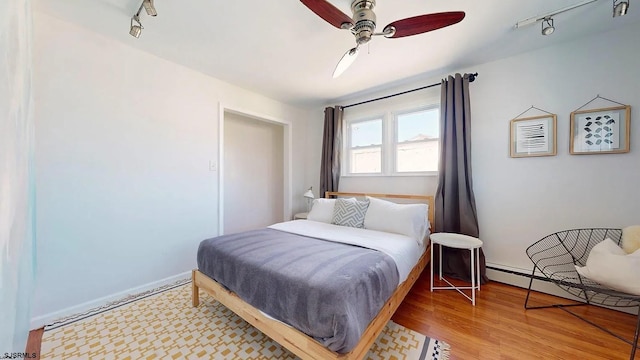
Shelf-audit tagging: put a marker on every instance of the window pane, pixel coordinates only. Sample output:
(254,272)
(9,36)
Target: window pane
(419,156)
(366,133)
(417,141)
(420,125)
(367,160)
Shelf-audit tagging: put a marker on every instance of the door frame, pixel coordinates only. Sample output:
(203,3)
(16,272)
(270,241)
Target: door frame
(287,160)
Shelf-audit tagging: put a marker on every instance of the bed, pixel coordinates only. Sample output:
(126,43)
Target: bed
(366,316)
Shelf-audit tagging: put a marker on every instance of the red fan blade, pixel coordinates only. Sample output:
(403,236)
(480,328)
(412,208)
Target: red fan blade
(328,12)
(424,23)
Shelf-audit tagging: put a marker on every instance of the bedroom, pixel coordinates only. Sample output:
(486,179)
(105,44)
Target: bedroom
(125,139)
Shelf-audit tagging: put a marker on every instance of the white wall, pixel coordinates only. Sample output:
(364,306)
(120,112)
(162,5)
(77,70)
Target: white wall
(17,191)
(253,173)
(313,136)
(521,200)
(124,140)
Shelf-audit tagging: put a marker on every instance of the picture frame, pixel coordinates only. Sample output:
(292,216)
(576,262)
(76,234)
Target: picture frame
(533,136)
(600,131)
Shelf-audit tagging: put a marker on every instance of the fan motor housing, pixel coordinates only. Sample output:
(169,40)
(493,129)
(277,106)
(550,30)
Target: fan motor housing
(364,19)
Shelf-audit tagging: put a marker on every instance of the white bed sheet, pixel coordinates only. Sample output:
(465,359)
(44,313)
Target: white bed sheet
(404,250)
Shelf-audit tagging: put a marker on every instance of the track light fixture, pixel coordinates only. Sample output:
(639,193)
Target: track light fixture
(149,8)
(136,29)
(620,7)
(547,26)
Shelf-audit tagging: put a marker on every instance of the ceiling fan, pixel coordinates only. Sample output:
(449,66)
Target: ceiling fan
(363,24)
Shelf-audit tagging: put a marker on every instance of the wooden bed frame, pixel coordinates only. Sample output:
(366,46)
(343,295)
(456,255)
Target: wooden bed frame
(297,342)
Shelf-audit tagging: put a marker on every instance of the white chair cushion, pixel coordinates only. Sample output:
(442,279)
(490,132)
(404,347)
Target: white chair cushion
(631,238)
(609,265)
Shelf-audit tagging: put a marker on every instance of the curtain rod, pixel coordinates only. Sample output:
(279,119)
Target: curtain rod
(472,77)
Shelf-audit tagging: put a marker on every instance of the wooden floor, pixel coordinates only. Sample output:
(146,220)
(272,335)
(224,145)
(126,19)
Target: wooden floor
(499,327)
(34,343)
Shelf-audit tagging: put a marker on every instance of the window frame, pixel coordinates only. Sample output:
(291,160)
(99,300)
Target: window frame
(388,166)
(394,141)
(348,148)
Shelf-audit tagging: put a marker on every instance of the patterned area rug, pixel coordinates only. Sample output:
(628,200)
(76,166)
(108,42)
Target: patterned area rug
(165,326)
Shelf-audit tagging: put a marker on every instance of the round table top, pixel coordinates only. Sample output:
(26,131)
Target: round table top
(457,241)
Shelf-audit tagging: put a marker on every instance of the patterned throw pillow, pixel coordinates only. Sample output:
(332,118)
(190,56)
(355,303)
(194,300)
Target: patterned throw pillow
(350,212)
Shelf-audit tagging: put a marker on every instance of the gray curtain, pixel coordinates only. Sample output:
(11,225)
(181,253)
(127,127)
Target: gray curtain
(331,148)
(455,205)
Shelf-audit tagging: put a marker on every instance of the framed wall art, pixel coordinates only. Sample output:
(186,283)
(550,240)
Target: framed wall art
(533,136)
(600,131)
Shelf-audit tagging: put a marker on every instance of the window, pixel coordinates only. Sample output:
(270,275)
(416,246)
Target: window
(365,147)
(417,141)
(397,143)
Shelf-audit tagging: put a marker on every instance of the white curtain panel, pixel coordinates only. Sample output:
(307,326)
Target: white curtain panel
(16,175)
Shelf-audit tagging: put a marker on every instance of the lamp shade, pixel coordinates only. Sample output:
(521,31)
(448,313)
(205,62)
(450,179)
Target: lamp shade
(135,31)
(309,194)
(547,26)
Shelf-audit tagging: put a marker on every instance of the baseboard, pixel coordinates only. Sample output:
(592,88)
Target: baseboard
(46,319)
(521,277)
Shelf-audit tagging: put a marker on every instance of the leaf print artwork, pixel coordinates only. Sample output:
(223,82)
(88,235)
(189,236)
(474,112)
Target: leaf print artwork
(597,132)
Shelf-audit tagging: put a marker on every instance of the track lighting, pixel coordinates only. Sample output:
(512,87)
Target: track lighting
(620,7)
(150,8)
(136,29)
(547,26)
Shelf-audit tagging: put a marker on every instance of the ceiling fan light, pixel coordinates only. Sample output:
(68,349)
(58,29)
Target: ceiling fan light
(347,59)
(620,8)
(547,27)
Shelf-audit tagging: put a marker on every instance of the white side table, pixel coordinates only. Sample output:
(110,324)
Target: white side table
(300,216)
(458,241)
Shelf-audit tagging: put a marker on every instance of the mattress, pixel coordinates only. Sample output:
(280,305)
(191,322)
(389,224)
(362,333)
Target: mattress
(325,280)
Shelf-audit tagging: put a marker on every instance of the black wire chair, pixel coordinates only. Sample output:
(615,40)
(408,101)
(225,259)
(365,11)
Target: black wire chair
(555,257)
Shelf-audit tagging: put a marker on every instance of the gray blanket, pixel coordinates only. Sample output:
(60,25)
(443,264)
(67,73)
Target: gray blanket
(327,290)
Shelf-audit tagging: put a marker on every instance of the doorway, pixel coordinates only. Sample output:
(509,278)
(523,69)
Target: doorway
(253,172)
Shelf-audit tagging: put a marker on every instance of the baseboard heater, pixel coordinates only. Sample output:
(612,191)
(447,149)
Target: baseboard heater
(512,272)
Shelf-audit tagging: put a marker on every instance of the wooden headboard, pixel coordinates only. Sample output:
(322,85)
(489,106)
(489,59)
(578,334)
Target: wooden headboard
(423,198)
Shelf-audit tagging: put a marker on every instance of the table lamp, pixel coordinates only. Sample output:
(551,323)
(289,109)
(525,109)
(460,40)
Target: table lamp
(309,196)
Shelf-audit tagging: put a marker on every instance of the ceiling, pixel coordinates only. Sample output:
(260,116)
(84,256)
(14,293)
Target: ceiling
(281,49)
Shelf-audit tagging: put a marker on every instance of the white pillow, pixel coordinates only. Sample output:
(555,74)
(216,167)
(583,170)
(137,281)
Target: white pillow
(611,266)
(405,219)
(631,238)
(322,210)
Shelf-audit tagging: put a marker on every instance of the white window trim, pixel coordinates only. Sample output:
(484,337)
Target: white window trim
(347,149)
(394,142)
(389,144)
